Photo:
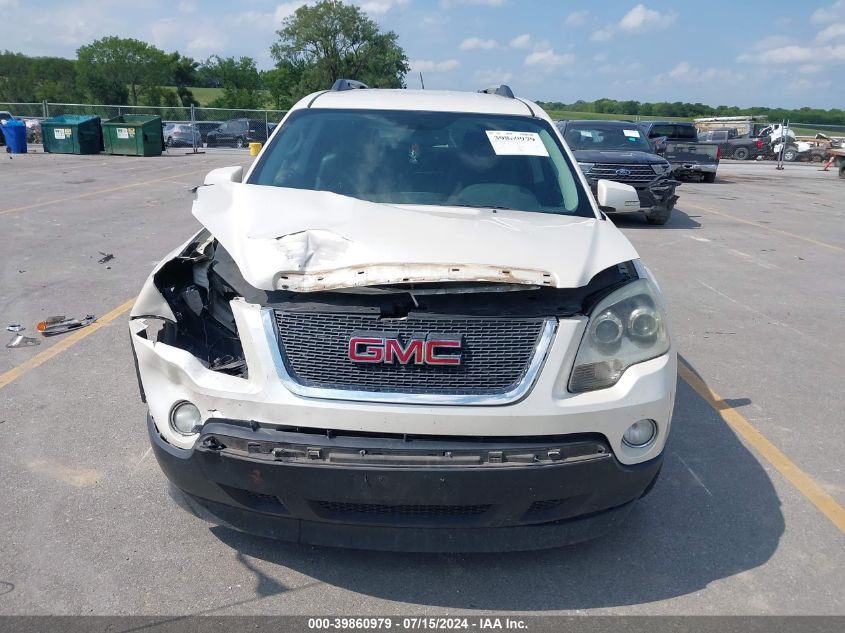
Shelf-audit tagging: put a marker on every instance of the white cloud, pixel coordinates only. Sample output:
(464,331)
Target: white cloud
(448,4)
(835,11)
(476,43)
(548,58)
(810,69)
(781,55)
(685,72)
(287,9)
(599,57)
(427,65)
(640,19)
(186,6)
(484,78)
(577,18)
(834,31)
(521,41)
(379,7)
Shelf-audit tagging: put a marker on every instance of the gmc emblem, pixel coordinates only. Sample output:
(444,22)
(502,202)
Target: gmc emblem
(387,349)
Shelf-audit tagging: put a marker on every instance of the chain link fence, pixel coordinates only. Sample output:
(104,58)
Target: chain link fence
(227,127)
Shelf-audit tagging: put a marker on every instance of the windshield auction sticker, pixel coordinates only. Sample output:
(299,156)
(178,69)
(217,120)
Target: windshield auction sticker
(516,143)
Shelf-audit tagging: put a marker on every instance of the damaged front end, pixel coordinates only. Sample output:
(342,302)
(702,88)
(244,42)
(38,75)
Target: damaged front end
(660,192)
(189,309)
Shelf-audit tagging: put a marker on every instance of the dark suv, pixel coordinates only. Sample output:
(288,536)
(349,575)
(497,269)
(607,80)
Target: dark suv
(238,133)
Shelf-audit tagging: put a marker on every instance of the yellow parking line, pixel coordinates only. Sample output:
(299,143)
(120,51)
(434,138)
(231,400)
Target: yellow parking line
(100,192)
(785,466)
(832,247)
(68,341)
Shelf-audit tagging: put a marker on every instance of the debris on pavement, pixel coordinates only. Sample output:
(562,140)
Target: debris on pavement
(106,257)
(15,327)
(60,324)
(23,341)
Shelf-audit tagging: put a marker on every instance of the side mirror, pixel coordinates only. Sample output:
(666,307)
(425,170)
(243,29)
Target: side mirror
(224,174)
(615,196)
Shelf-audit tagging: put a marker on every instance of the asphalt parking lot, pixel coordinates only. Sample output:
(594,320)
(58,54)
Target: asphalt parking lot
(746,519)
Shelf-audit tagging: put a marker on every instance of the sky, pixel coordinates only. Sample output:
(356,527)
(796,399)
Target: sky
(732,52)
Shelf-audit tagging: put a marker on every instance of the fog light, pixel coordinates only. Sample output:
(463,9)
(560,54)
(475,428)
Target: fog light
(185,418)
(640,433)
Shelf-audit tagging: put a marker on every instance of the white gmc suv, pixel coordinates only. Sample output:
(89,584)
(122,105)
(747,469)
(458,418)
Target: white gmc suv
(408,326)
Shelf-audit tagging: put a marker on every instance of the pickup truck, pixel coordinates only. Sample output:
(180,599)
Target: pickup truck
(678,143)
(731,145)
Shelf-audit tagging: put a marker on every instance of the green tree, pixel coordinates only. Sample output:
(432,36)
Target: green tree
(115,69)
(332,40)
(185,73)
(26,79)
(240,80)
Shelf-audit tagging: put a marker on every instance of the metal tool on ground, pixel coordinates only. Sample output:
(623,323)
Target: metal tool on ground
(15,327)
(60,324)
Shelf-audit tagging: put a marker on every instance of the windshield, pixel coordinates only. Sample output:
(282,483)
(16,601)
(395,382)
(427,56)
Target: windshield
(582,136)
(425,158)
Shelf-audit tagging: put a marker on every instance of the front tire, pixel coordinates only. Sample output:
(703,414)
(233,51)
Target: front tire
(711,178)
(790,155)
(842,170)
(741,153)
(239,143)
(659,215)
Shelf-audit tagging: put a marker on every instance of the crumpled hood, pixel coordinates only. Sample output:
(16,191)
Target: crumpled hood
(293,239)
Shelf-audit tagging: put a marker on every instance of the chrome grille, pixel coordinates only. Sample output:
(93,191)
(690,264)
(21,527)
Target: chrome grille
(495,356)
(637,173)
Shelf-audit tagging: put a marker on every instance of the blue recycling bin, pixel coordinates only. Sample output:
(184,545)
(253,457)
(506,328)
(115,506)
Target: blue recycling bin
(15,134)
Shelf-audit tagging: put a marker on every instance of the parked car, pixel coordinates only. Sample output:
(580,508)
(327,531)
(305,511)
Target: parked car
(407,326)
(678,143)
(731,145)
(238,133)
(207,126)
(618,151)
(182,135)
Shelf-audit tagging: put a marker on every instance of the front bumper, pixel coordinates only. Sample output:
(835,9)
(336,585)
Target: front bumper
(430,495)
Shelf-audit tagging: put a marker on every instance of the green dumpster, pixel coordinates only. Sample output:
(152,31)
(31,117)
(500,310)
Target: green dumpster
(72,134)
(133,135)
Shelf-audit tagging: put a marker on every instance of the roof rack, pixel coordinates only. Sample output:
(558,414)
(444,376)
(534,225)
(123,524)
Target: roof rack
(503,91)
(348,84)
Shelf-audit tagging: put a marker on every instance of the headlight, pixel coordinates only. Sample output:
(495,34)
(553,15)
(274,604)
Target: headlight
(586,167)
(661,169)
(627,327)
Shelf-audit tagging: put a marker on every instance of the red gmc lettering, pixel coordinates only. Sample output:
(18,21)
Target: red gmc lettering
(366,350)
(395,352)
(390,351)
(432,358)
